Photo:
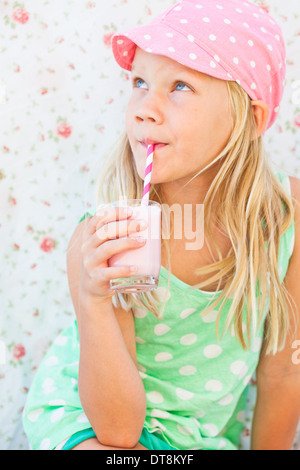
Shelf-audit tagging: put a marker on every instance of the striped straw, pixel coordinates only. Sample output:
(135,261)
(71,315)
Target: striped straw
(148,171)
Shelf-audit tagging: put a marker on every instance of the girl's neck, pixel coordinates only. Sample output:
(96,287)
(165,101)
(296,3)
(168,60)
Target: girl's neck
(175,192)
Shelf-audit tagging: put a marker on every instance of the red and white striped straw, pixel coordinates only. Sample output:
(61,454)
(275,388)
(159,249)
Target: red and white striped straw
(148,171)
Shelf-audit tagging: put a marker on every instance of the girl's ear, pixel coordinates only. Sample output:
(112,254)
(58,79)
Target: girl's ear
(261,113)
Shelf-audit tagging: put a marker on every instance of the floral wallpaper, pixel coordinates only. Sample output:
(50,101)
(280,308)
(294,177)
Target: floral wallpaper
(62,104)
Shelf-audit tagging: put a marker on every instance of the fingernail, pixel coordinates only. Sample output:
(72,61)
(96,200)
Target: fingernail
(133,268)
(142,226)
(140,239)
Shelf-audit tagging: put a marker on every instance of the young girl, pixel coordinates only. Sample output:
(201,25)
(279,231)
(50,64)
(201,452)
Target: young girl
(169,369)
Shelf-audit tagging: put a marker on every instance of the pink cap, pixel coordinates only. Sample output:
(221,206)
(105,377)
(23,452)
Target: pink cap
(228,39)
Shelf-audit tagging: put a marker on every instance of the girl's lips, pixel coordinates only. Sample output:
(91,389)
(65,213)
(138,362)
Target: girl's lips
(156,146)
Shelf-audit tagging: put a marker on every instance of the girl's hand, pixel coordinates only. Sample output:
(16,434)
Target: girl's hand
(100,241)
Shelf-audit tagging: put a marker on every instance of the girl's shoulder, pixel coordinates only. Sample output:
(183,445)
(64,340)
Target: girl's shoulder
(284,179)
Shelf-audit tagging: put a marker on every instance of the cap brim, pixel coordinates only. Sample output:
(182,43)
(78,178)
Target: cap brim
(197,58)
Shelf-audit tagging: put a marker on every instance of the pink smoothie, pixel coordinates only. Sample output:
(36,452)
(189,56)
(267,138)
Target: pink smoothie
(147,259)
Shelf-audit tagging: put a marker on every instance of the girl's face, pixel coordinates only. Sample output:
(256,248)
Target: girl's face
(185,110)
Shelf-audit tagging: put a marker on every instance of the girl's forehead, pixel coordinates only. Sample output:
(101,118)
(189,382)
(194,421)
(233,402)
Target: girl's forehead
(144,60)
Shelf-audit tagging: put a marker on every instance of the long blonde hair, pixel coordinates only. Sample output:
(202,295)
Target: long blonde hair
(250,205)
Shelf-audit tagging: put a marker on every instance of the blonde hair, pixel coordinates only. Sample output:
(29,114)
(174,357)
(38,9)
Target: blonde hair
(250,205)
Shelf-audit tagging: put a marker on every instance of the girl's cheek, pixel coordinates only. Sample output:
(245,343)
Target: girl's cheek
(128,121)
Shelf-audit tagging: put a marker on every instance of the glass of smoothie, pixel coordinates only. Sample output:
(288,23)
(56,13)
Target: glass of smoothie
(147,258)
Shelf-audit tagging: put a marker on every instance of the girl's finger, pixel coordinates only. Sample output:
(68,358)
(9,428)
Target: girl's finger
(103,216)
(105,251)
(100,275)
(117,229)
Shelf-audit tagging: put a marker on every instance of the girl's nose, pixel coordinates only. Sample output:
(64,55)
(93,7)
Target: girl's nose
(150,110)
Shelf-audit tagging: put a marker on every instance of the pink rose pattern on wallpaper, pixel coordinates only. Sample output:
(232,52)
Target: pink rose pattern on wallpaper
(20,15)
(61,109)
(64,130)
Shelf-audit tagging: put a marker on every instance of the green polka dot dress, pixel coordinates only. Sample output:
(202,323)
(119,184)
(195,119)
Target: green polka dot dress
(196,386)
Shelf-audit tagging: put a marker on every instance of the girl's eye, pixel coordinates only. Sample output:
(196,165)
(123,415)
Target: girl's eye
(182,85)
(138,82)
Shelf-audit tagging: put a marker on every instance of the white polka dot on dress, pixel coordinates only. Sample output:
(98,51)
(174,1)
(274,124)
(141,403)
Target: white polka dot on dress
(184,394)
(222,444)
(159,414)
(185,430)
(210,317)
(161,329)
(187,312)
(256,344)
(212,351)
(45,444)
(48,386)
(239,368)
(188,339)
(213,385)
(51,361)
(226,400)
(211,429)
(163,356)
(187,370)
(82,418)
(57,414)
(155,397)
(33,416)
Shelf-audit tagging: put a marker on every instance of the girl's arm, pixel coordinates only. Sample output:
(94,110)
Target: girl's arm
(110,388)
(277,410)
